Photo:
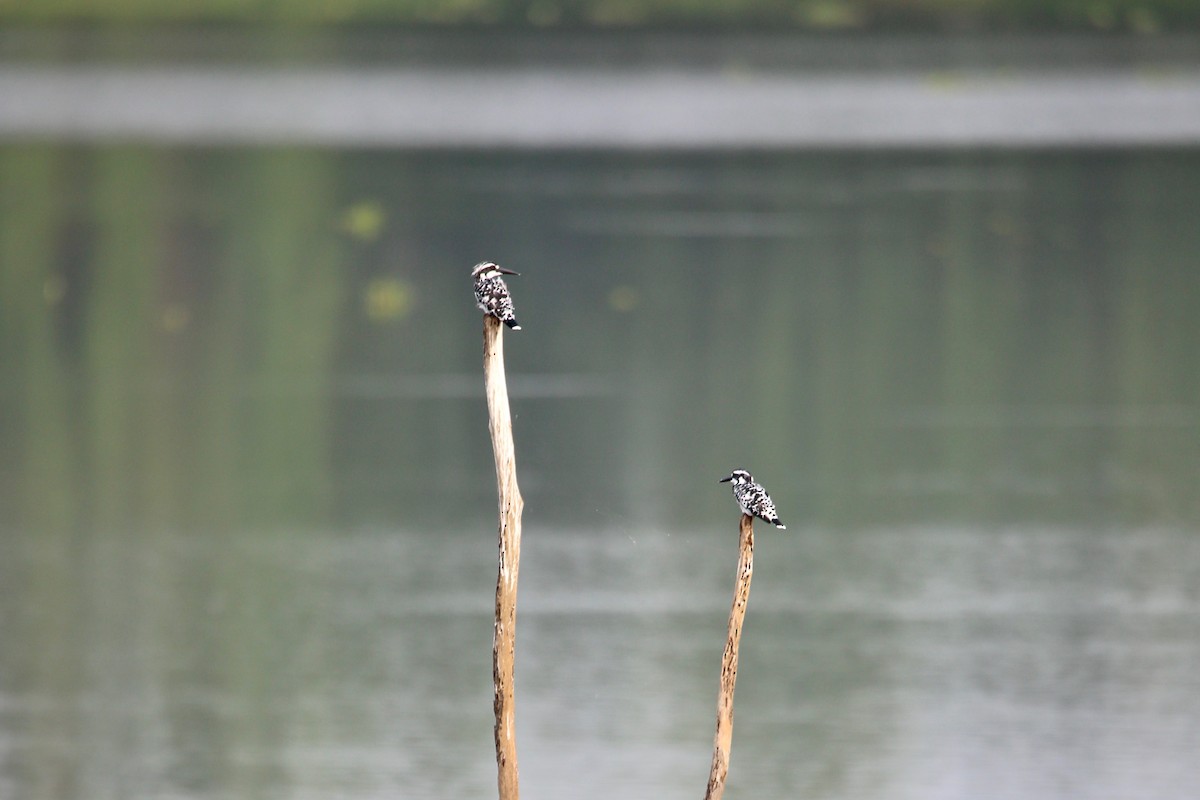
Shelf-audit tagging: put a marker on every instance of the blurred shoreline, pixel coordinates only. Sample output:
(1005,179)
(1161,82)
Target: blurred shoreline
(627,48)
(622,91)
(485,47)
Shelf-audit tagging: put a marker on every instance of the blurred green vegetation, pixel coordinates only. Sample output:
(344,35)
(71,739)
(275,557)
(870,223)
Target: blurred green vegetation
(1142,16)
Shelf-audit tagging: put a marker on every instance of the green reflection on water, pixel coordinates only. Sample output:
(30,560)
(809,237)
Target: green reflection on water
(37,421)
(171,324)
(193,338)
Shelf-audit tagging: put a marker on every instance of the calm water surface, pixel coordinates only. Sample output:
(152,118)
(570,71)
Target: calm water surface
(247,500)
(905,663)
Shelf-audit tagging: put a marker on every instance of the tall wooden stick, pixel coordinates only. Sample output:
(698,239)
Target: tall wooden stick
(511,504)
(729,661)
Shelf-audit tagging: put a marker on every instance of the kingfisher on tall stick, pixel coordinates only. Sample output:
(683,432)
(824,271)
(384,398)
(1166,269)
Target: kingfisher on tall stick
(752,498)
(491,293)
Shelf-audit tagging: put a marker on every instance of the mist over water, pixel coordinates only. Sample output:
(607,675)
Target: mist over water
(249,509)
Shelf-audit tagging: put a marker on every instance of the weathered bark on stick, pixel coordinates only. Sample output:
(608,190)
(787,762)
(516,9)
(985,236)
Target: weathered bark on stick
(504,636)
(729,662)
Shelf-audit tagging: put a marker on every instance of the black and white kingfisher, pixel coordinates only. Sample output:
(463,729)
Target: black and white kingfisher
(752,498)
(491,293)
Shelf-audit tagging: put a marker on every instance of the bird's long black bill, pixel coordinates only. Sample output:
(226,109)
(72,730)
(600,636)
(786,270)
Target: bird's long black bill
(725,480)
(507,271)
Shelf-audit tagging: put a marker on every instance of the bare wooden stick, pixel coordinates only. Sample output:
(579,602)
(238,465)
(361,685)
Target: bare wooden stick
(729,661)
(511,504)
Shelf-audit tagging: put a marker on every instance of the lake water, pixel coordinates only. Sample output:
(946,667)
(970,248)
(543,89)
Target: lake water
(248,506)
(915,662)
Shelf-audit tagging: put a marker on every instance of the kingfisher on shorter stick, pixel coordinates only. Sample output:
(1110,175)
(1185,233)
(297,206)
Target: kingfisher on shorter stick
(491,293)
(752,498)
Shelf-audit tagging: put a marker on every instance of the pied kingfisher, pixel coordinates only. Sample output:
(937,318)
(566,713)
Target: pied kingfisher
(491,294)
(752,498)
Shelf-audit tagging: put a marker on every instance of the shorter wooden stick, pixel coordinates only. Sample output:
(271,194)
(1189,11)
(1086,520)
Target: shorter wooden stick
(729,661)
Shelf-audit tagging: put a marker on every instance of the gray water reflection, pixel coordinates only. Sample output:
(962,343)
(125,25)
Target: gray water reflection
(908,663)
